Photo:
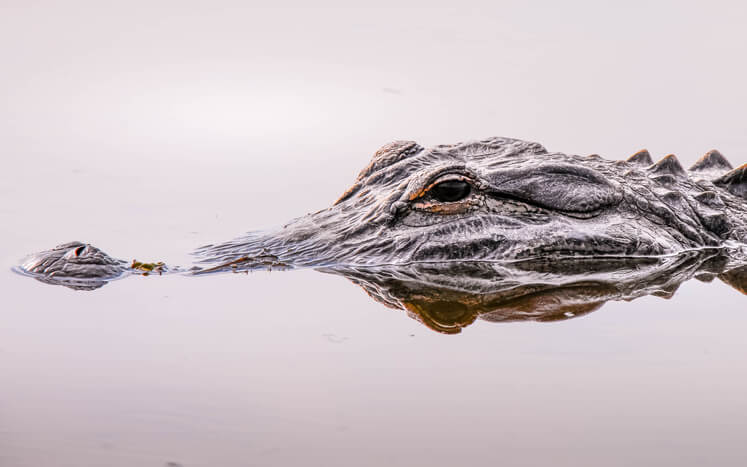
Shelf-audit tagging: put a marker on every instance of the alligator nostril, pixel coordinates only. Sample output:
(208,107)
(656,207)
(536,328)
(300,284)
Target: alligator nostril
(79,250)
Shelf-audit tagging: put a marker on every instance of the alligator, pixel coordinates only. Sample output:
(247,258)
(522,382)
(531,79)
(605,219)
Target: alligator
(492,200)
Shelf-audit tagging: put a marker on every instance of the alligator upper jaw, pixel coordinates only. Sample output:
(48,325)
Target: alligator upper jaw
(299,244)
(305,243)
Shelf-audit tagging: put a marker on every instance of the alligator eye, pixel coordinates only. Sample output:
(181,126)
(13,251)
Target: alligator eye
(451,190)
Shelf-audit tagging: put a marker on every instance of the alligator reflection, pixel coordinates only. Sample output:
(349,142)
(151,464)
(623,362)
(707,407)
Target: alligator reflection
(447,297)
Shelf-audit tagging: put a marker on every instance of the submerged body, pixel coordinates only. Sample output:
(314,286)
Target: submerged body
(497,199)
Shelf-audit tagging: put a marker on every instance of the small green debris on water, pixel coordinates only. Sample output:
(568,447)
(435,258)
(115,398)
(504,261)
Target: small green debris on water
(148,268)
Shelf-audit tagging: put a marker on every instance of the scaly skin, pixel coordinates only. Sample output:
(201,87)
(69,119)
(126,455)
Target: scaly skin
(497,199)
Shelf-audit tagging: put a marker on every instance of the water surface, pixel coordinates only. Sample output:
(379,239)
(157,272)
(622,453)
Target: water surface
(151,130)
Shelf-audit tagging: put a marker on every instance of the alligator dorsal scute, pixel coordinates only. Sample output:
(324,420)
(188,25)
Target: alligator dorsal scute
(714,220)
(668,165)
(673,197)
(665,180)
(734,181)
(709,208)
(710,198)
(712,160)
(642,157)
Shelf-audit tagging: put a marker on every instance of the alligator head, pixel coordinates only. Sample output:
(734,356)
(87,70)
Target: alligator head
(504,199)
(497,199)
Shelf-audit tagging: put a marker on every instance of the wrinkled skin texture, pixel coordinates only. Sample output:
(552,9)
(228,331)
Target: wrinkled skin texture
(523,203)
(497,199)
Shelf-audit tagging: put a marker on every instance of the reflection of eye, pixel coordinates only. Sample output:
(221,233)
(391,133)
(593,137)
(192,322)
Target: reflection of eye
(451,190)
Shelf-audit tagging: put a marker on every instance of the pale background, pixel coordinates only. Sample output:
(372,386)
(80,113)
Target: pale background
(148,128)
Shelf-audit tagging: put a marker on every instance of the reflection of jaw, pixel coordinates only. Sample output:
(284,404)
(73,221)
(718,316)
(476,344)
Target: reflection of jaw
(555,304)
(736,278)
(447,297)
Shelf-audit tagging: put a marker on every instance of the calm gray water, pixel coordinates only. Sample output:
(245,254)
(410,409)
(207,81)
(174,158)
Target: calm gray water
(151,128)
